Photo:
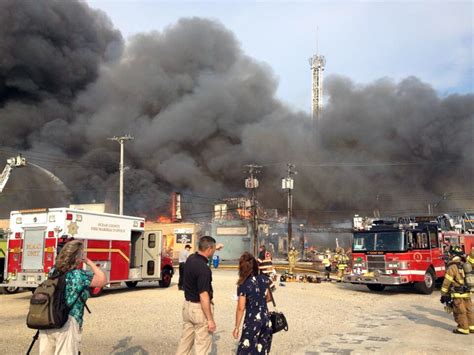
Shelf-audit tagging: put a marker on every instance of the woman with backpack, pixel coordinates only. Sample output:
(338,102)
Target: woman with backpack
(253,297)
(66,340)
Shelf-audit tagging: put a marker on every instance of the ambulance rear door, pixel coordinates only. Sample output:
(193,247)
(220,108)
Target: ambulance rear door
(33,249)
(151,254)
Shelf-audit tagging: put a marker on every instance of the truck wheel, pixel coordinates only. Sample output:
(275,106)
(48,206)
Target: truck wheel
(165,278)
(131,284)
(426,286)
(11,289)
(376,287)
(96,291)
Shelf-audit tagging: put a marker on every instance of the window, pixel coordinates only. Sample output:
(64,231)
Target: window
(151,240)
(421,240)
(150,267)
(433,238)
(379,241)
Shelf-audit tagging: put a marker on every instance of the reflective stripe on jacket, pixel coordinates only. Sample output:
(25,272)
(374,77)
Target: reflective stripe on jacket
(453,280)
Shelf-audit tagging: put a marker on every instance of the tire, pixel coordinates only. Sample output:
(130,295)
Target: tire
(131,284)
(376,287)
(427,286)
(166,278)
(96,291)
(11,289)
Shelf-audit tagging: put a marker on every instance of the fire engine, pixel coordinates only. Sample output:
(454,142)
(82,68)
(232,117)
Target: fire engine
(458,230)
(118,244)
(394,252)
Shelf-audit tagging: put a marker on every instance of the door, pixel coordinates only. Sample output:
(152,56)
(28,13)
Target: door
(151,255)
(33,249)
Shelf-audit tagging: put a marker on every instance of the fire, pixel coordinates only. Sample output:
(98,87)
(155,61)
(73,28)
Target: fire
(163,219)
(244,213)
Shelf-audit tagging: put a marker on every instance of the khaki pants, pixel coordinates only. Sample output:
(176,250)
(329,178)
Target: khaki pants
(62,341)
(195,331)
(463,316)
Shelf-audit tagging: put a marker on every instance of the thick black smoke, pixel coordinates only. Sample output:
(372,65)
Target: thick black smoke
(200,109)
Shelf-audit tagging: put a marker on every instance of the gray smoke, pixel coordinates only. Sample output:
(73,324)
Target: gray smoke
(200,109)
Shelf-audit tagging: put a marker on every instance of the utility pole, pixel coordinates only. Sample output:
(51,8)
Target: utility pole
(288,184)
(121,140)
(252,183)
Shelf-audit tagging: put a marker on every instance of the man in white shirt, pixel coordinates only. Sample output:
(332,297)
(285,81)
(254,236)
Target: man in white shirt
(183,255)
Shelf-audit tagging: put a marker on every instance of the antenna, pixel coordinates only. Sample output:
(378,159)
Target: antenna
(317,39)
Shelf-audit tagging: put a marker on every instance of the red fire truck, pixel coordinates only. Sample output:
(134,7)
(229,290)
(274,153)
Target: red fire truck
(119,245)
(387,253)
(458,230)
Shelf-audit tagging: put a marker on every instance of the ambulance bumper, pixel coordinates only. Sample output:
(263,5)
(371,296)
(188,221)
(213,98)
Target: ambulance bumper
(26,280)
(381,279)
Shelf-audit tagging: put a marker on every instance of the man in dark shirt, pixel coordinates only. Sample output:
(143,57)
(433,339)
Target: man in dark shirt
(198,320)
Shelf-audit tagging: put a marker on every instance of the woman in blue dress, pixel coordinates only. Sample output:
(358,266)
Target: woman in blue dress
(253,296)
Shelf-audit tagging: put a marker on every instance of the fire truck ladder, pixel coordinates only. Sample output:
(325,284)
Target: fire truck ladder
(14,162)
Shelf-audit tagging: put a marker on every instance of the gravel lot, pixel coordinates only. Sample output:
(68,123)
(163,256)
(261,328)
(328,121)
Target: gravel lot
(323,318)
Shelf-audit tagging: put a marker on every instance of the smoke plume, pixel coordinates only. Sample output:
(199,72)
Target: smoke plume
(200,109)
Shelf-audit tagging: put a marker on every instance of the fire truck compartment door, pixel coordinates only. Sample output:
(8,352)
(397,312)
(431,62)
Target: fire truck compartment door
(33,249)
(151,254)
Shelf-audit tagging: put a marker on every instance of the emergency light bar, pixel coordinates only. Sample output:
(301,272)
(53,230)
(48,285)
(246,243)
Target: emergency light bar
(34,210)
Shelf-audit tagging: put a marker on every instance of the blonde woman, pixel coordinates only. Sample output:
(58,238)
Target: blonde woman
(66,340)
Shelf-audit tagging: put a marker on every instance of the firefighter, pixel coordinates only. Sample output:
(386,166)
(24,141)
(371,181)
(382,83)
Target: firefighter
(327,265)
(468,268)
(292,254)
(454,290)
(342,261)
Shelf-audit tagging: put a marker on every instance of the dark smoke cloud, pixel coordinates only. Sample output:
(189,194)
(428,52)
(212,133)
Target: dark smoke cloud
(200,109)
(50,51)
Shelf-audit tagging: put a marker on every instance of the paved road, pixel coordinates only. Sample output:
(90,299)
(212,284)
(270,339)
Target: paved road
(327,318)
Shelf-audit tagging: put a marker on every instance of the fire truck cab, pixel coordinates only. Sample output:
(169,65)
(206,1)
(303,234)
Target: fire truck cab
(118,244)
(390,253)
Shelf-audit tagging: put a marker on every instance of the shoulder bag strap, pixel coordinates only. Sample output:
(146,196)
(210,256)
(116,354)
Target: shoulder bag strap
(271,296)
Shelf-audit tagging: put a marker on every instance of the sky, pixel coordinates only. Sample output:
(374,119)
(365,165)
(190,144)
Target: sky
(363,40)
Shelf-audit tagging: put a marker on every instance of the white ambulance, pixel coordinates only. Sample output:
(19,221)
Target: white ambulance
(118,244)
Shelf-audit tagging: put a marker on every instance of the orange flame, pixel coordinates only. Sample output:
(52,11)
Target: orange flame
(244,213)
(163,219)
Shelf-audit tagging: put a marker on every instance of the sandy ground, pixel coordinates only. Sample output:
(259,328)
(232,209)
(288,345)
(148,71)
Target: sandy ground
(323,318)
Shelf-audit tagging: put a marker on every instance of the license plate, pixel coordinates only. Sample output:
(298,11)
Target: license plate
(30,278)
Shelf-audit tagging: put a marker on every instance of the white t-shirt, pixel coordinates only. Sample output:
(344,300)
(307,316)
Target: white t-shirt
(183,255)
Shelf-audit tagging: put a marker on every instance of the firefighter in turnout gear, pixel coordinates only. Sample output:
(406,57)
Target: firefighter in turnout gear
(454,290)
(468,268)
(292,254)
(327,265)
(342,261)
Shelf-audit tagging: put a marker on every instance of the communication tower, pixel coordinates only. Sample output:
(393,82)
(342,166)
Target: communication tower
(317,63)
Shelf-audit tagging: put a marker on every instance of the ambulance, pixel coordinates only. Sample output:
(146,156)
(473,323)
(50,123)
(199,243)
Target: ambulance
(118,244)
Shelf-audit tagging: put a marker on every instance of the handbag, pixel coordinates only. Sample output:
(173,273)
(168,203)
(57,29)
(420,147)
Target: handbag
(278,319)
